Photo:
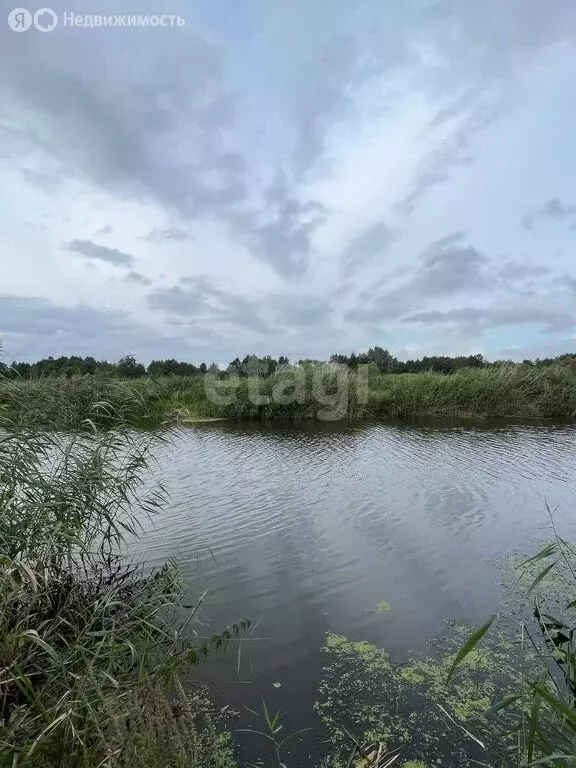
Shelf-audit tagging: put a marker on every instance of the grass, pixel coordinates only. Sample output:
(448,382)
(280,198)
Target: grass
(517,391)
(543,701)
(318,392)
(91,649)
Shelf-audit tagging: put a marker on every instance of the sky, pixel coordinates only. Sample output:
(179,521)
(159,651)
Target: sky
(290,178)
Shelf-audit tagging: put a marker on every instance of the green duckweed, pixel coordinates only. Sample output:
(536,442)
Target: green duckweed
(410,706)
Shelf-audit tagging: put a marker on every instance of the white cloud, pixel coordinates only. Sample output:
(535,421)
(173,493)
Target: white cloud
(301,172)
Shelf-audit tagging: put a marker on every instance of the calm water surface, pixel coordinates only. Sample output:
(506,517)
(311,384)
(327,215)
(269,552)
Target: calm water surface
(308,527)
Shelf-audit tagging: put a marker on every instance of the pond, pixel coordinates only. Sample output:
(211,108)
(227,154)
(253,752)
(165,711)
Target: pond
(375,531)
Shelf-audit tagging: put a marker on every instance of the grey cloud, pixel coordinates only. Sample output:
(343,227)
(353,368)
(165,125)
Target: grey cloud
(456,106)
(91,250)
(197,298)
(159,234)
(324,96)
(557,210)
(106,230)
(475,319)
(22,314)
(281,233)
(367,247)
(517,271)
(34,327)
(447,267)
(471,72)
(553,210)
(425,181)
(155,129)
(447,241)
(481,86)
(162,129)
(569,282)
(42,179)
(166,125)
(138,277)
(454,151)
(301,311)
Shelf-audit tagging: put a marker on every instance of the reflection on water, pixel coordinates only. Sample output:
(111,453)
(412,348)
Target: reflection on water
(312,526)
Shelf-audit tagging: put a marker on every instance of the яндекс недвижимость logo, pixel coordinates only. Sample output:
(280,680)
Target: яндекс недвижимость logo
(21,20)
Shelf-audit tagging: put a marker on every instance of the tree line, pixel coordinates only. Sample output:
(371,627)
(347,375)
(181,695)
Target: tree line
(387,363)
(252,365)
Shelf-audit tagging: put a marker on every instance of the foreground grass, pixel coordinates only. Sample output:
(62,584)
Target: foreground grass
(294,394)
(91,649)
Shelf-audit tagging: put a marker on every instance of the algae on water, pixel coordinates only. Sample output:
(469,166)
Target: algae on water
(410,705)
(383,607)
(414,764)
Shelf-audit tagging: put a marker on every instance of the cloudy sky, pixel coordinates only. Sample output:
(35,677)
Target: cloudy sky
(292,178)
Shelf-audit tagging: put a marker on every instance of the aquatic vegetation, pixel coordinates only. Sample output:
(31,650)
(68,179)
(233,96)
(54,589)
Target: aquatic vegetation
(414,764)
(383,607)
(545,731)
(503,695)
(410,706)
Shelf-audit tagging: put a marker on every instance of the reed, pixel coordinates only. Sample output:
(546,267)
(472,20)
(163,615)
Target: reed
(302,392)
(92,648)
(516,391)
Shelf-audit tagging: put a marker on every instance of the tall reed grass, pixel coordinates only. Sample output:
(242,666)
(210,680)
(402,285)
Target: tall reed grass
(91,649)
(516,391)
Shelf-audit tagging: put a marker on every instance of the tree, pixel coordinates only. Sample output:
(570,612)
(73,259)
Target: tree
(234,366)
(382,358)
(253,366)
(90,366)
(128,368)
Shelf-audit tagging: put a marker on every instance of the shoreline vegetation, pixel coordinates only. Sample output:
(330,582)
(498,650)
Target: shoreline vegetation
(92,647)
(94,650)
(309,390)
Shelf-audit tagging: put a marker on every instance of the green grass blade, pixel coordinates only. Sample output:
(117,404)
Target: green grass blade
(469,645)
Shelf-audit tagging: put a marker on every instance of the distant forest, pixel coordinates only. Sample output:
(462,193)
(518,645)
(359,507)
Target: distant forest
(252,365)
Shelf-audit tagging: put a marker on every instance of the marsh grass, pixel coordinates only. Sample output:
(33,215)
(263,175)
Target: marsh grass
(92,649)
(518,391)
